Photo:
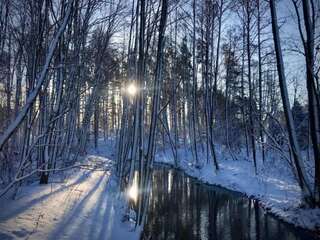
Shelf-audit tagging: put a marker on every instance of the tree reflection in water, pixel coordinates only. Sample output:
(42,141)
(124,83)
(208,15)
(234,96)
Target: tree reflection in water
(181,208)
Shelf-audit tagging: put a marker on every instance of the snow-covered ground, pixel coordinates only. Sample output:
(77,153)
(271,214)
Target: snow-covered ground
(83,205)
(274,185)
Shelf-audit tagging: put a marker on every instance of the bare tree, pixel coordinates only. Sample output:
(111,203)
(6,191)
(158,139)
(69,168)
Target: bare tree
(299,166)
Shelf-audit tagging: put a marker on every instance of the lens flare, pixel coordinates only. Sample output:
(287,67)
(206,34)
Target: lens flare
(132,89)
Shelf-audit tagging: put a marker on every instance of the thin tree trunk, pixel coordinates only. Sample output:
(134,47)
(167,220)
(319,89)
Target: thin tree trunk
(300,170)
(313,103)
(40,82)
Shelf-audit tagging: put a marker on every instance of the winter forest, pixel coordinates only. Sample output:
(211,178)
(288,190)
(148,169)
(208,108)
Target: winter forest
(160,119)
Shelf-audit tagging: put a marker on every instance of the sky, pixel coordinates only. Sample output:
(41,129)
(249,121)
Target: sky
(294,62)
(289,34)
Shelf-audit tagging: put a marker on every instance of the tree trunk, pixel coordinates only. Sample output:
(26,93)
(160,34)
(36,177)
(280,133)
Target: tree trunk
(298,162)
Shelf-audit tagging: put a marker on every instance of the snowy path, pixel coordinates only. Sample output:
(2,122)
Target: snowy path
(85,206)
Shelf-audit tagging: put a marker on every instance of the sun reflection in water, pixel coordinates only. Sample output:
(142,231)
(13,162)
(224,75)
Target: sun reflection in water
(170,177)
(133,190)
(133,193)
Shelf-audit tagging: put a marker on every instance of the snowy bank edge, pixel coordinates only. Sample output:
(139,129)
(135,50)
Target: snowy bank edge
(289,216)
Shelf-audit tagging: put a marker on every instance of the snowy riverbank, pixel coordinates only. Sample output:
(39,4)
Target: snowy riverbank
(274,185)
(84,203)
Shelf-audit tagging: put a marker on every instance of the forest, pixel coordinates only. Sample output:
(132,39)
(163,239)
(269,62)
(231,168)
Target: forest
(145,119)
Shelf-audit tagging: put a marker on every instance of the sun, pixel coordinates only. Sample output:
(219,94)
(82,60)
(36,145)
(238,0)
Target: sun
(132,89)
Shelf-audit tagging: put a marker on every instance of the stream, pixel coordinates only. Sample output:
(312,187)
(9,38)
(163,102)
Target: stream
(181,207)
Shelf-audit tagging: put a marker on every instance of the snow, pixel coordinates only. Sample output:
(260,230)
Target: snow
(274,185)
(84,205)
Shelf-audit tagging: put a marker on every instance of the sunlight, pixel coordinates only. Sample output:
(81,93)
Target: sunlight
(133,192)
(132,89)
(170,178)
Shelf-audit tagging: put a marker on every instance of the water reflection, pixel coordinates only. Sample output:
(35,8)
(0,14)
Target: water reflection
(181,208)
(132,191)
(170,175)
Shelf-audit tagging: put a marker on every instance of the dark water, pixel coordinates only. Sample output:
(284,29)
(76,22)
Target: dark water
(182,208)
